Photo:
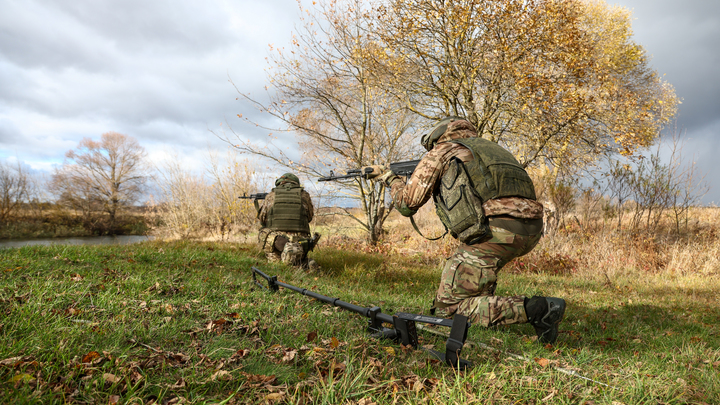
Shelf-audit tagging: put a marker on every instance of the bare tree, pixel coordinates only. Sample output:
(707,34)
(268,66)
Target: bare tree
(234,179)
(106,176)
(344,117)
(186,206)
(14,189)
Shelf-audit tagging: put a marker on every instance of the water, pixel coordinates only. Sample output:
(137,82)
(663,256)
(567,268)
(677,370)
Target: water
(84,240)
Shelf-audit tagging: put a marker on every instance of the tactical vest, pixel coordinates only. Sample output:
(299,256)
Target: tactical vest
(494,173)
(287,213)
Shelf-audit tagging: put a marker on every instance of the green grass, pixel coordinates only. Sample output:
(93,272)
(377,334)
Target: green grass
(182,323)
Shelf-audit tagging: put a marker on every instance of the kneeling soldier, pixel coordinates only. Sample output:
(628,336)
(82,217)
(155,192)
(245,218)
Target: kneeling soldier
(285,216)
(486,200)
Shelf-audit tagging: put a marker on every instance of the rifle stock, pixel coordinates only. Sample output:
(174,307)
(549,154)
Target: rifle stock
(403,324)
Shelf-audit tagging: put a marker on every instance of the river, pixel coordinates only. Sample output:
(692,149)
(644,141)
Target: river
(83,240)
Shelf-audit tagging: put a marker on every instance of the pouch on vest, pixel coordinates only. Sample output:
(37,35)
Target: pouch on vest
(459,207)
(287,213)
(495,172)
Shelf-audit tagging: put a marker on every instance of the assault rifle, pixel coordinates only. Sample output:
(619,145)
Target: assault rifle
(405,169)
(403,328)
(255,196)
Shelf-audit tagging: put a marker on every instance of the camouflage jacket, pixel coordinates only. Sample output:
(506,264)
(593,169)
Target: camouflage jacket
(270,200)
(408,198)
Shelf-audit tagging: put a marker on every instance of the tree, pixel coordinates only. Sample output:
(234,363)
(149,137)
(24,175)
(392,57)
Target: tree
(343,116)
(186,207)
(557,82)
(106,176)
(234,179)
(14,189)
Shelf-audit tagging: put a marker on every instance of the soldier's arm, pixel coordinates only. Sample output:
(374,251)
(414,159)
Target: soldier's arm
(408,198)
(307,201)
(264,207)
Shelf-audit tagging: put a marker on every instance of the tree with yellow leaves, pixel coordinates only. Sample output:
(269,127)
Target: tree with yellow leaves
(557,82)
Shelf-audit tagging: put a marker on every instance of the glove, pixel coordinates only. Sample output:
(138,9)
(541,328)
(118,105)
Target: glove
(375,171)
(386,177)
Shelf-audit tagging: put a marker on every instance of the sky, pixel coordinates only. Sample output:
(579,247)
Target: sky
(159,71)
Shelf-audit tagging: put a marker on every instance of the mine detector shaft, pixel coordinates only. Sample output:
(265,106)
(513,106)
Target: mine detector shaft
(403,328)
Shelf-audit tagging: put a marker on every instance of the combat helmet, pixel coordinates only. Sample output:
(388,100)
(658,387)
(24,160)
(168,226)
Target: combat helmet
(429,140)
(287,178)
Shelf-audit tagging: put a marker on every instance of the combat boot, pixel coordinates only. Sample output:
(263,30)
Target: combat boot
(544,314)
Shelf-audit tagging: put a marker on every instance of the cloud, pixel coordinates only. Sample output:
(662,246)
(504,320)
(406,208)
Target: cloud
(159,70)
(682,38)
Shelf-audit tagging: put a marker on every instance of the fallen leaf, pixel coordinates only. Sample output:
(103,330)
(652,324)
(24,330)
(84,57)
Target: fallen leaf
(334,343)
(549,396)
(179,384)
(111,378)
(240,354)
(10,361)
(389,350)
(221,374)
(88,358)
(21,377)
(542,361)
(311,336)
(114,399)
(275,396)
(289,356)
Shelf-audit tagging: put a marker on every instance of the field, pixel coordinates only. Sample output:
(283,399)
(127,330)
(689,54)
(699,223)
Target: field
(180,322)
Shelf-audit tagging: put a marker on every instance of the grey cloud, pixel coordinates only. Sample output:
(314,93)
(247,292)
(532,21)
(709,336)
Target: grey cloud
(93,35)
(683,39)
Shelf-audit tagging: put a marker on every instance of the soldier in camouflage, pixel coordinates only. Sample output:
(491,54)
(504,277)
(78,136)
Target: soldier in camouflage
(285,215)
(486,200)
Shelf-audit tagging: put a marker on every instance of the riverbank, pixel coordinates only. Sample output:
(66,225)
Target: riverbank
(80,240)
(56,224)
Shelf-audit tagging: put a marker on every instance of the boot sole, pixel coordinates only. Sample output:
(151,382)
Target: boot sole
(551,320)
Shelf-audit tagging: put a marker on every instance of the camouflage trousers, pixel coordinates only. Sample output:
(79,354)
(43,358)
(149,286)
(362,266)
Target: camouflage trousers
(291,254)
(469,278)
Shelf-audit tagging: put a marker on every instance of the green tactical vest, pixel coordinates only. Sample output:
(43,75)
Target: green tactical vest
(494,173)
(287,213)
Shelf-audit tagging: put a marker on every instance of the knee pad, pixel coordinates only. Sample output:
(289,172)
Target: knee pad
(292,253)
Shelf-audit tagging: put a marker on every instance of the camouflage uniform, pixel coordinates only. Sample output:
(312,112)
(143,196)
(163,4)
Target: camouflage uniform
(292,253)
(469,277)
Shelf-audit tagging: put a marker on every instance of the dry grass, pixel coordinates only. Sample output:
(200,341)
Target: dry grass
(595,249)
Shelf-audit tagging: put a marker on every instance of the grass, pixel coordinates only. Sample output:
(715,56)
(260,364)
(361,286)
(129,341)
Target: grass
(180,322)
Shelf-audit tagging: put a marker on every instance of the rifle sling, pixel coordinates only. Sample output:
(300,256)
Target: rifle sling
(412,220)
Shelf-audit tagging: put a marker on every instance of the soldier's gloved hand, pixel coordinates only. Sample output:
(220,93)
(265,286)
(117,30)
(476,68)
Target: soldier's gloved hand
(375,171)
(386,177)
